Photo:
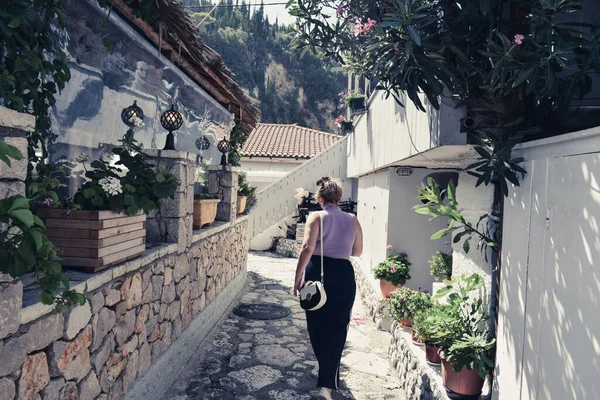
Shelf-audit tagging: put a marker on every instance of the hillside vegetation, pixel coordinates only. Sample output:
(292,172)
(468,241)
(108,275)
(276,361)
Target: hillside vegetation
(290,88)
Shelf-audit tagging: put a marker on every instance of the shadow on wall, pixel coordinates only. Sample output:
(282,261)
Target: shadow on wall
(549,332)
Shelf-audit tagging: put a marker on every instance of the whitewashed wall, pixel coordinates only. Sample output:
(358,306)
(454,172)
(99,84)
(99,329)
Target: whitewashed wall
(382,136)
(276,201)
(548,327)
(262,171)
(410,232)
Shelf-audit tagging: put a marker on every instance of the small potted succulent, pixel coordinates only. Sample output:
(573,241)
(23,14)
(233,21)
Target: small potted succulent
(355,99)
(344,125)
(392,273)
(441,265)
(244,193)
(429,327)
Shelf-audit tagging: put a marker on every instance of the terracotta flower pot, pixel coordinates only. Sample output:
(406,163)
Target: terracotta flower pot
(466,382)
(241,204)
(432,354)
(406,323)
(416,341)
(387,288)
(205,212)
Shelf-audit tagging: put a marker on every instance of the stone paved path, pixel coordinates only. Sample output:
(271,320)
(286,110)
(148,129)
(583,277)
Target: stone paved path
(245,359)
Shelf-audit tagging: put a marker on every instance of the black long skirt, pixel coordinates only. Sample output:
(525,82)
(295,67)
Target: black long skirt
(328,326)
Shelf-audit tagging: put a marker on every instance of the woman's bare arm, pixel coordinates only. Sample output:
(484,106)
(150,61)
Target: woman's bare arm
(357,248)
(311,232)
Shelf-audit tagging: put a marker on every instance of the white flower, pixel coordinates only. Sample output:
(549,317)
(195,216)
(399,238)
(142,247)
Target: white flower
(111,186)
(300,193)
(83,157)
(137,122)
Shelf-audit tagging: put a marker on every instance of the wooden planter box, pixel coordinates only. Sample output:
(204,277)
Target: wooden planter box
(241,204)
(205,212)
(94,240)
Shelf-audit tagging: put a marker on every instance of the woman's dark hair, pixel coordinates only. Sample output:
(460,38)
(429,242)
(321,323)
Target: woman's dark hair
(330,189)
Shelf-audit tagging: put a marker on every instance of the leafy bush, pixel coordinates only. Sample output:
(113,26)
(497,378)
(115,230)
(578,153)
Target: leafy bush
(394,269)
(244,189)
(205,196)
(418,302)
(137,188)
(441,265)
(399,303)
(429,325)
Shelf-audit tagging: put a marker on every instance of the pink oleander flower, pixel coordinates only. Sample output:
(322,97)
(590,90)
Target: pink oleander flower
(340,119)
(396,48)
(48,202)
(339,10)
(362,27)
(519,39)
(358,28)
(370,24)
(389,247)
(403,255)
(393,269)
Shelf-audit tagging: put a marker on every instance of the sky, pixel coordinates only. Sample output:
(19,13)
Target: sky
(275,11)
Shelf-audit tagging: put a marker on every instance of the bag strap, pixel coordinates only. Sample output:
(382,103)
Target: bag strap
(322,269)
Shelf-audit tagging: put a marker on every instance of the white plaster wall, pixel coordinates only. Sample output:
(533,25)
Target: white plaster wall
(383,135)
(473,202)
(276,201)
(410,232)
(261,172)
(372,211)
(548,326)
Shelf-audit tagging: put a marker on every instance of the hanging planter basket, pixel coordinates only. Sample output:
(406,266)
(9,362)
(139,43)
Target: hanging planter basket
(346,127)
(357,105)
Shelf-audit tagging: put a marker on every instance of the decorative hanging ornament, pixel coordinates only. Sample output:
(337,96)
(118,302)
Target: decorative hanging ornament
(224,146)
(171,120)
(202,143)
(129,115)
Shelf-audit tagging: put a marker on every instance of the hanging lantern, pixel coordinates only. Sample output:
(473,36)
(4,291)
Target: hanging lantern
(224,146)
(128,114)
(171,120)
(202,143)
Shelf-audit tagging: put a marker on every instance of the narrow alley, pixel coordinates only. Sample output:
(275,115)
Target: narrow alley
(246,359)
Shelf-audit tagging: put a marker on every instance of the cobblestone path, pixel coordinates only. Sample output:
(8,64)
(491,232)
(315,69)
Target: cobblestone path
(245,359)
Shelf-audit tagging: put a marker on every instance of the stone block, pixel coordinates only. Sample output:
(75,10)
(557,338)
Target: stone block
(142,317)
(115,365)
(8,189)
(146,278)
(34,376)
(7,389)
(130,371)
(175,207)
(11,300)
(77,319)
(145,358)
(13,355)
(17,121)
(130,346)
(112,297)
(71,359)
(125,326)
(181,269)
(157,287)
(131,291)
(168,294)
(98,279)
(97,302)
(89,388)
(52,391)
(70,392)
(100,357)
(103,323)
(18,168)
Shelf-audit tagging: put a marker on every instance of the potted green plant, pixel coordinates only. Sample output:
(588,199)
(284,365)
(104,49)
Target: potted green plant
(441,265)
(399,300)
(419,301)
(244,193)
(467,348)
(344,125)
(354,99)
(104,222)
(429,327)
(392,273)
(205,209)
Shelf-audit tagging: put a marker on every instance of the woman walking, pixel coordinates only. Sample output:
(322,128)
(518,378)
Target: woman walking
(342,238)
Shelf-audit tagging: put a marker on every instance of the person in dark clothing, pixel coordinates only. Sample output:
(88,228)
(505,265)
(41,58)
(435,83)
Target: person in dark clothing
(342,238)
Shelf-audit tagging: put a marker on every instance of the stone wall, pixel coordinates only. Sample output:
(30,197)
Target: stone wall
(288,247)
(367,288)
(14,127)
(135,311)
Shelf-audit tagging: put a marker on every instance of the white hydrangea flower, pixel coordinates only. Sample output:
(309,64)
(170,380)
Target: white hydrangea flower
(300,193)
(137,122)
(111,186)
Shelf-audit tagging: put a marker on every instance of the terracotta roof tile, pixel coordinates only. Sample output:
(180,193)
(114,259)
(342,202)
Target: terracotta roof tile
(292,141)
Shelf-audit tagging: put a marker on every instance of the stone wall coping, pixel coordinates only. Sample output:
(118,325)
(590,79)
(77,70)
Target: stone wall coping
(85,282)
(16,120)
(172,154)
(223,168)
(216,227)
